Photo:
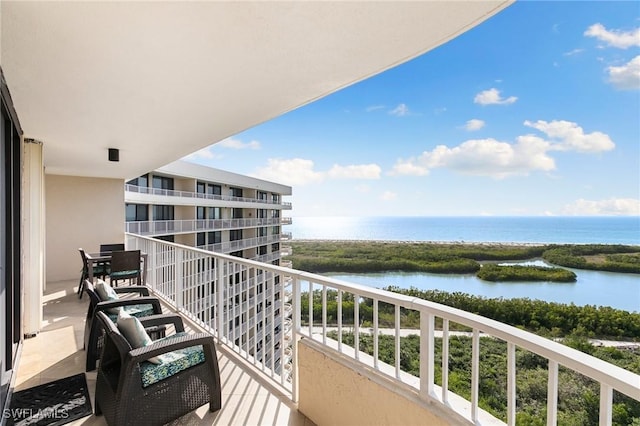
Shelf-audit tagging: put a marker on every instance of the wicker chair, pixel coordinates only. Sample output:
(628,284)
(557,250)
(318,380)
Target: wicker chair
(111,247)
(99,270)
(144,305)
(126,396)
(125,265)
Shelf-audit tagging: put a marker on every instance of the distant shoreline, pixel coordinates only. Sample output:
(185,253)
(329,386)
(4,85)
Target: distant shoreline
(468,243)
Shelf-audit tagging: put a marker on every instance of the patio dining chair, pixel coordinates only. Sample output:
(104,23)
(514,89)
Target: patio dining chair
(99,270)
(111,247)
(145,382)
(125,265)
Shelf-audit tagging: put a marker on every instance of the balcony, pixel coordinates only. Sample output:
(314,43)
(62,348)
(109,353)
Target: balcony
(321,369)
(56,352)
(146,195)
(168,227)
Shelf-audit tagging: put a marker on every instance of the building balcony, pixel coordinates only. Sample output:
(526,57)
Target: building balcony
(322,370)
(303,370)
(146,195)
(231,246)
(56,352)
(171,227)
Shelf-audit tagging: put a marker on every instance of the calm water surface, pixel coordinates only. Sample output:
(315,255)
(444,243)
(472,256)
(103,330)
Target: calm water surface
(620,291)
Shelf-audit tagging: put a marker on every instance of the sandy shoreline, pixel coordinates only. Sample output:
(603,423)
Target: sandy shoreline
(467,243)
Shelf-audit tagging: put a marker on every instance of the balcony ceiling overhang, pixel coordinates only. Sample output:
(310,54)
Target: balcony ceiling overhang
(160,80)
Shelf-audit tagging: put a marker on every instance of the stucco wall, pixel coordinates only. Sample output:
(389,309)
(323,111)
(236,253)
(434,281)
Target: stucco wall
(80,212)
(331,393)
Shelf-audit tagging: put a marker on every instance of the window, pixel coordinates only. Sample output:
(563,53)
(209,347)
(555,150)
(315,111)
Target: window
(200,187)
(235,235)
(214,213)
(262,232)
(201,239)
(275,230)
(262,213)
(140,181)
(236,253)
(236,213)
(275,247)
(262,250)
(214,189)
(161,182)
(137,212)
(169,238)
(201,212)
(235,192)
(275,214)
(214,237)
(262,195)
(275,198)
(162,212)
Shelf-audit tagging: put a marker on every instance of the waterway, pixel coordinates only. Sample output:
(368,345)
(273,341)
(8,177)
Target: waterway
(620,291)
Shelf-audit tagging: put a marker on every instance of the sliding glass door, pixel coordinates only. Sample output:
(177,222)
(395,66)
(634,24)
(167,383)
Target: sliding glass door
(10,249)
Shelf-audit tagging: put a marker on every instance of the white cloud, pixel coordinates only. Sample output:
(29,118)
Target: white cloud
(626,77)
(610,207)
(364,171)
(614,38)
(568,136)
(299,171)
(492,97)
(205,154)
(573,52)
(295,171)
(374,108)
(483,157)
(238,144)
(388,196)
(498,159)
(400,111)
(474,124)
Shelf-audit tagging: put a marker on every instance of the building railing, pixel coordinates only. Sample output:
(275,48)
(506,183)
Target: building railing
(198,195)
(211,288)
(166,227)
(231,246)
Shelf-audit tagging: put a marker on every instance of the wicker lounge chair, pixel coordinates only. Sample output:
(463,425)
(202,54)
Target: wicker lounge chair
(136,306)
(132,390)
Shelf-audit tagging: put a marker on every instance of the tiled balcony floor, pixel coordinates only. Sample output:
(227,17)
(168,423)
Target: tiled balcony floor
(56,352)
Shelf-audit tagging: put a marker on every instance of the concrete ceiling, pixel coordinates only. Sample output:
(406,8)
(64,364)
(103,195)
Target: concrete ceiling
(160,80)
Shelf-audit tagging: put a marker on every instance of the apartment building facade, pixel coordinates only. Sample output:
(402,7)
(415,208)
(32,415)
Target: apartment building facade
(229,213)
(211,209)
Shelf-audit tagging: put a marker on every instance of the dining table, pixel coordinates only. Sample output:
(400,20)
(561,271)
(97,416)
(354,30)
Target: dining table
(96,258)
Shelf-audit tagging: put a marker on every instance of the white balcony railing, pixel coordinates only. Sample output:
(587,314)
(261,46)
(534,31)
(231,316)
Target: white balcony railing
(167,227)
(211,289)
(197,195)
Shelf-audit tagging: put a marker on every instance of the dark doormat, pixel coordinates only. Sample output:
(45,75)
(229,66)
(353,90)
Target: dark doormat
(52,404)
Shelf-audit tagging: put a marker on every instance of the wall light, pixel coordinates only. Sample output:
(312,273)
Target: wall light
(114,154)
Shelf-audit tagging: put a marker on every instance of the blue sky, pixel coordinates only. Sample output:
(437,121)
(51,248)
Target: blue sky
(534,112)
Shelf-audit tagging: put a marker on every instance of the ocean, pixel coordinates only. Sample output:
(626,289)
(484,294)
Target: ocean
(535,230)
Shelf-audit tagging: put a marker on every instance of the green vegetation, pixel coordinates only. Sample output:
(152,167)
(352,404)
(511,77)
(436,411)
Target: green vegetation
(544,318)
(492,272)
(577,395)
(374,256)
(612,258)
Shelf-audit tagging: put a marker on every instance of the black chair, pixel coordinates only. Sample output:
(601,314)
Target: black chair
(125,265)
(104,248)
(132,390)
(139,306)
(99,270)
